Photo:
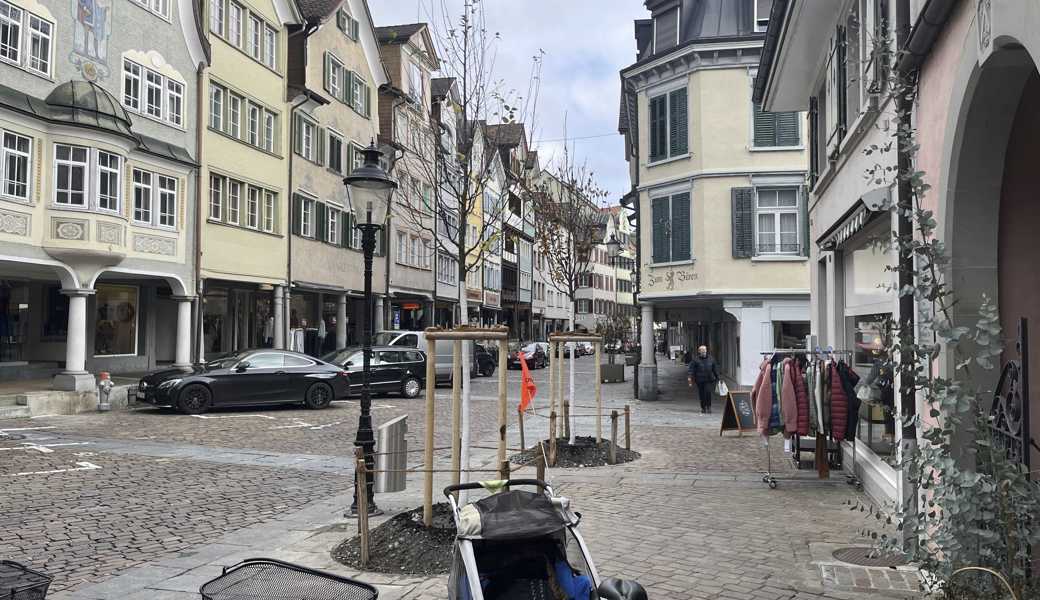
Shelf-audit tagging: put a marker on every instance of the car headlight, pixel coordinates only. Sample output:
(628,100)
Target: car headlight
(169,383)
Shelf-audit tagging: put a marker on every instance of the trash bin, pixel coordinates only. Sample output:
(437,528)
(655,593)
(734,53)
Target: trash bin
(391,455)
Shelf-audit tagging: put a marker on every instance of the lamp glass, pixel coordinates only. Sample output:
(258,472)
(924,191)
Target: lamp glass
(366,199)
(614,246)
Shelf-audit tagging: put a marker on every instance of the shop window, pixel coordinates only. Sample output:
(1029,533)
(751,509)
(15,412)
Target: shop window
(55,313)
(869,334)
(790,334)
(115,332)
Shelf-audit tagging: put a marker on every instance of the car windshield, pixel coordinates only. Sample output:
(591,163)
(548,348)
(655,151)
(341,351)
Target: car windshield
(531,348)
(339,357)
(226,361)
(384,338)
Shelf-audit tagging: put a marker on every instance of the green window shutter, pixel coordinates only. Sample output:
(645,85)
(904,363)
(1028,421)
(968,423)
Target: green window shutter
(297,134)
(681,226)
(765,128)
(348,167)
(787,129)
(341,20)
(355,29)
(658,128)
(348,87)
(368,101)
(328,70)
(661,224)
(803,219)
(743,222)
(679,126)
(320,224)
(346,226)
(814,135)
(294,218)
(321,141)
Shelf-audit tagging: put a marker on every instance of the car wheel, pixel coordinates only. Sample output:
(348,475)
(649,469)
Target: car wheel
(194,399)
(411,387)
(318,396)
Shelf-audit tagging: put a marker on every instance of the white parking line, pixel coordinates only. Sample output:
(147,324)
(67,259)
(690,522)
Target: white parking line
(233,417)
(44,448)
(297,424)
(27,428)
(80,466)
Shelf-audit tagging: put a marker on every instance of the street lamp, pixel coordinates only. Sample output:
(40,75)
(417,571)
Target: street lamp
(614,251)
(369,190)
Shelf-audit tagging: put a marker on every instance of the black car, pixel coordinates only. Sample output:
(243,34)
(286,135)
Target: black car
(394,369)
(249,377)
(532,353)
(484,360)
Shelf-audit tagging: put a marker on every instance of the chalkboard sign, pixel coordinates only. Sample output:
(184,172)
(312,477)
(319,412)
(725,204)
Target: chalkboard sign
(738,414)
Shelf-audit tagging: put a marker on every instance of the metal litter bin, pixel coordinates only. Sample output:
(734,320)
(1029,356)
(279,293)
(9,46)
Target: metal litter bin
(391,455)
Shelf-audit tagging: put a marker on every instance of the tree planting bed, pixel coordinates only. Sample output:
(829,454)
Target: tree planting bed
(403,545)
(585,452)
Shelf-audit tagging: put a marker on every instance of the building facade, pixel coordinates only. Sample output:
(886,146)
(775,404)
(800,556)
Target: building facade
(97,114)
(446,116)
(719,190)
(245,170)
(334,75)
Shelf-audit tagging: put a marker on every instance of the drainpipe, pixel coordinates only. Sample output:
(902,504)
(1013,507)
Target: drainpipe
(200,207)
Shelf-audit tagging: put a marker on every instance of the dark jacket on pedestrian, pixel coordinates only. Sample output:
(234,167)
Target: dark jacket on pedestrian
(703,369)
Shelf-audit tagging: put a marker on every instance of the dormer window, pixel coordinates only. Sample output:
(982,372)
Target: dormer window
(666,30)
(762,9)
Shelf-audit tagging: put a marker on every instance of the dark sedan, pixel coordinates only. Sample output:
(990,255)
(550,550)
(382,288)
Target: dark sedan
(250,377)
(394,369)
(485,359)
(532,353)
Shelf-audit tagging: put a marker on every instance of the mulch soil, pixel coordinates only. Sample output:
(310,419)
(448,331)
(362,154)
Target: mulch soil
(403,545)
(585,452)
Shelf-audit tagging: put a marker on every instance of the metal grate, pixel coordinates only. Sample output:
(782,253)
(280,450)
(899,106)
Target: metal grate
(267,579)
(18,582)
(868,557)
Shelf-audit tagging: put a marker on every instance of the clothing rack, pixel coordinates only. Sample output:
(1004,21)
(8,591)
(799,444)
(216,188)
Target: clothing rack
(825,445)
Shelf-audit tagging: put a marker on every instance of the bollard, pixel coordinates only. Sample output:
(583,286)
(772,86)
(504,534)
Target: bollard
(628,428)
(613,437)
(359,470)
(520,422)
(539,466)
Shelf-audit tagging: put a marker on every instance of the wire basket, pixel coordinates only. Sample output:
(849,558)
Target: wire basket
(269,579)
(18,582)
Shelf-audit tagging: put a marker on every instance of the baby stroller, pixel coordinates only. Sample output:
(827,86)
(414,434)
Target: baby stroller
(523,545)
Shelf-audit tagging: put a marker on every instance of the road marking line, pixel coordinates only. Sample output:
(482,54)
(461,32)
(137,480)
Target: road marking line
(233,417)
(44,416)
(320,427)
(80,466)
(297,423)
(28,428)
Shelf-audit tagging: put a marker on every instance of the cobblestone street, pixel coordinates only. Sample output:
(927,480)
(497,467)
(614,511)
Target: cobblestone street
(150,504)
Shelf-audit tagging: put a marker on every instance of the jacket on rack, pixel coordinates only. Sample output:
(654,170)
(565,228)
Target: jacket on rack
(849,379)
(788,397)
(762,396)
(824,400)
(814,407)
(801,393)
(839,405)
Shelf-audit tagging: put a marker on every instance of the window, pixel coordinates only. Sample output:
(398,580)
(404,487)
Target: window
(402,248)
(333,77)
(335,153)
(269,129)
(39,45)
(308,132)
(234,201)
(790,334)
(153,94)
(253,125)
(668,125)
(235,24)
(216,107)
(234,116)
(307,218)
(270,47)
(108,181)
(356,158)
(70,166)
(762,8)
(174,102)
(777,230)
(671,227)
(115,329)
(252,207)
(131,85)
(216,196)
(415,83)
(256,32)
(775,129)
(216,16)
(167,201)
(347,24)
(17,150)
(142,196)
(269,205)
(10,32)
(666,30)
(332,226)
(358,94)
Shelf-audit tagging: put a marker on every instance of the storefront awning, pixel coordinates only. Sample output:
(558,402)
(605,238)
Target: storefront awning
(863,211)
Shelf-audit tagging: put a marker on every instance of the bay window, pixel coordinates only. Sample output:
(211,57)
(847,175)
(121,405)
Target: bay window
(109,169)
(142,196)
(17,154)
(167,201)
(235,14)
(70,181)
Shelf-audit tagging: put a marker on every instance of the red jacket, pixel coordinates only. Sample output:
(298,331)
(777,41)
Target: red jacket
(839,406)
(802,393)
(789,397)
(762,396)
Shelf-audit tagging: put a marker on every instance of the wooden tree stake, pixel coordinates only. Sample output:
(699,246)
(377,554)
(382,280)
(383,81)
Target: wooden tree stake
(362,495)
(613,437)
(628,428)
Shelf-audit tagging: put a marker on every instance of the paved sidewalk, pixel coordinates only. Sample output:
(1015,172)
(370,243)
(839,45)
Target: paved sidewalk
(690,519)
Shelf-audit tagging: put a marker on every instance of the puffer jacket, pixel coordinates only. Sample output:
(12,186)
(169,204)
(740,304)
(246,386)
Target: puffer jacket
(839,406)
(762,396)
(802,393)
(789,398)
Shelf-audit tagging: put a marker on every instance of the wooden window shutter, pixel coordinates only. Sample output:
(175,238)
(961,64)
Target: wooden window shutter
(341,20)
(348,167)
(765,128)
(322,141)
(743,222)
(681,226)
(658,128)
(368,101)
(803,219)
(346,227)
(678,121)
(327,72)
(813,137)
(842,87)
(320,222)
(661,223)
(297,125)
(880,33)
(348,87)
(297,208)
(787,130)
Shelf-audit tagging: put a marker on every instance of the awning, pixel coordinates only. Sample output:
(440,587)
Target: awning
(863,211)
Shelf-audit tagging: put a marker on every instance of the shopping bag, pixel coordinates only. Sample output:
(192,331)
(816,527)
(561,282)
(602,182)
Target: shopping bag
(721,389)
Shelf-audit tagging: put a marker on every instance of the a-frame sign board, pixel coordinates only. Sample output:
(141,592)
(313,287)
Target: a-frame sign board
(738,414)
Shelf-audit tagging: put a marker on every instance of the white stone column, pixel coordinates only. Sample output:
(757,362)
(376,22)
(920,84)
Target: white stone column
(182,355)
(379,319)
(341,321)
(647,364)
(75,377)
(279,318)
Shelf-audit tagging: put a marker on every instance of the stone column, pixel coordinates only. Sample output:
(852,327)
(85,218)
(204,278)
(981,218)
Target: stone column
(647,364)
(279,318)
(341,321)
(75,377)
(379,319)
(182,355)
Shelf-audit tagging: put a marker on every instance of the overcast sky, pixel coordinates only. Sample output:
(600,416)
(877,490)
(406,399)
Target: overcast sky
(585,44)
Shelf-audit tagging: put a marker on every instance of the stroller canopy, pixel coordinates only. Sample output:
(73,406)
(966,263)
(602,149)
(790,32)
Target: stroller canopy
(517,515)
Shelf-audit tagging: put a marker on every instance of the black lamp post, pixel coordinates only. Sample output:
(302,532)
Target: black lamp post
(369,190)
(614,251)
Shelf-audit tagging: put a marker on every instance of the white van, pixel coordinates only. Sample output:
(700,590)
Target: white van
(417,339)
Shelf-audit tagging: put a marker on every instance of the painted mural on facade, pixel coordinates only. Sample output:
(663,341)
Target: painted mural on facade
(93,27)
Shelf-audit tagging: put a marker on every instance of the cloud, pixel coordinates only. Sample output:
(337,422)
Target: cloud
(585,44)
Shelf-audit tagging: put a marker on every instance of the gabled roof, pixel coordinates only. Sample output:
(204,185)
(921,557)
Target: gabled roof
(439,86)
(398,34)
(316,10)
(506,134)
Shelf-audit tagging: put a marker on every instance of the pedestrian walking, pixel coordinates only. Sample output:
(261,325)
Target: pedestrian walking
(703,371)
